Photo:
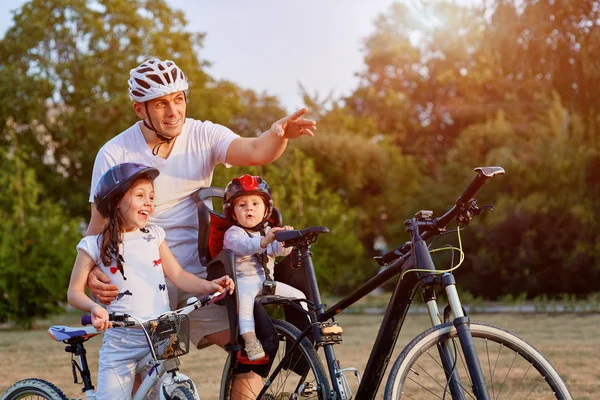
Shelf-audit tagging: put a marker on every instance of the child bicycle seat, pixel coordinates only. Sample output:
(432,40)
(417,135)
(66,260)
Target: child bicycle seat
(212,226)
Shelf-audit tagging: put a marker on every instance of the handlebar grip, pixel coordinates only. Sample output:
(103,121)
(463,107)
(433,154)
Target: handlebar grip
(86,320)
(208,299)
(217,296)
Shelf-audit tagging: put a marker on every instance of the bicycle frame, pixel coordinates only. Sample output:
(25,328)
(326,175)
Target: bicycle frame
(157,369)
(415,257)
(156,372)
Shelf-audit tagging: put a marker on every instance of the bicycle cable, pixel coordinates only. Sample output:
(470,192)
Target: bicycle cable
(448,247)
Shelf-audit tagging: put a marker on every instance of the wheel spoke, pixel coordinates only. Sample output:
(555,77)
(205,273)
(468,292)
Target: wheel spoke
(436,380)
(426,389)
(519,384)
(303,376)
(489,363)
(516,371)
(507,374)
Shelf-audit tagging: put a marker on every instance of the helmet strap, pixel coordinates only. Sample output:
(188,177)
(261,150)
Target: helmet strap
(163,139)
(256,228)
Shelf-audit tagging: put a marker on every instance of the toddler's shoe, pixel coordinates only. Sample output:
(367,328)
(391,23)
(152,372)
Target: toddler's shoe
(254,350)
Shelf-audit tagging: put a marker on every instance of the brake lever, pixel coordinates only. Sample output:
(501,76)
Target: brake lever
(469,210)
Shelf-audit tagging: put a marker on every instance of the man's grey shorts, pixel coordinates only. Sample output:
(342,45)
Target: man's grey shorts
(204,321)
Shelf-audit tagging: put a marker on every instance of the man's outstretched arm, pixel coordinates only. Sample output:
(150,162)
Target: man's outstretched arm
(267,147)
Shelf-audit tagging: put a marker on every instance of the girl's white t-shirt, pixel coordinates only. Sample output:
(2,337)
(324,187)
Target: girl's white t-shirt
(144,293)
(196,151)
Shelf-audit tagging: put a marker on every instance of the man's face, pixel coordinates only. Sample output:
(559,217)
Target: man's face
(167,113)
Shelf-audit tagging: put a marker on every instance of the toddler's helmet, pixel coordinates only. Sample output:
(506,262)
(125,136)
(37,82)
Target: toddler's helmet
(117,181)
(243,186)
(155,78)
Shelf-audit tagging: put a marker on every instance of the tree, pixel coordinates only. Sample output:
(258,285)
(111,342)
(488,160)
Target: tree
(66,64)
(420,75)
(373,178)
(542,239)
(37,247)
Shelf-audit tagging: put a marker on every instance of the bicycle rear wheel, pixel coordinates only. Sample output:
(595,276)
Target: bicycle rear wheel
(311,383)
(512,368)
(33,388)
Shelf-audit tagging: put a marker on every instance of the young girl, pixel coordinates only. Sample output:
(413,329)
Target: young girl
(137,258)
(248,203)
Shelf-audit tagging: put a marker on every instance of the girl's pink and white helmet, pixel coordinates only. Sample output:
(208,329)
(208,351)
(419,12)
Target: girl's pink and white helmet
(155,78)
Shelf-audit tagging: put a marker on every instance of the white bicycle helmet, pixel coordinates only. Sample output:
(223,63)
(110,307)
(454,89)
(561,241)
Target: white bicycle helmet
(155,78)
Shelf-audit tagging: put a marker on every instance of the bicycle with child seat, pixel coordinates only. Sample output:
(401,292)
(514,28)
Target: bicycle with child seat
(168,339)
(456,358)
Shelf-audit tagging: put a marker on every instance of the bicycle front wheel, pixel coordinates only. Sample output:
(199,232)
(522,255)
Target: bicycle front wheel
(302,377)
(182,392)
(513,369)
(33,388)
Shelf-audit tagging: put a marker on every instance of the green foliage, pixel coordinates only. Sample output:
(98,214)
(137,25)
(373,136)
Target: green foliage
(37,247)
(373,178)
(457,90)
(445,88)
(543,237)
(67,65)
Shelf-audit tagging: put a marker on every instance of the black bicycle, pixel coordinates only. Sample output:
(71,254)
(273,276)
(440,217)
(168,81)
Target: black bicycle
(455,359)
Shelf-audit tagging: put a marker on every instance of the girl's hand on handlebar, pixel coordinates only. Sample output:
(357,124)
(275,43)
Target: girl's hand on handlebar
(222,284)
(100,318)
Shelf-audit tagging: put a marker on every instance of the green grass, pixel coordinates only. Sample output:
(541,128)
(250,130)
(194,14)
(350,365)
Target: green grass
(569,341)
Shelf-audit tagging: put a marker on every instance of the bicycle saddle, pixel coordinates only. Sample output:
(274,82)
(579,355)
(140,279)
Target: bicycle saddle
(60,332)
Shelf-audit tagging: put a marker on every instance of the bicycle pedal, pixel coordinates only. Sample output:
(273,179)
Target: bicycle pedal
(327,333)
(332,330)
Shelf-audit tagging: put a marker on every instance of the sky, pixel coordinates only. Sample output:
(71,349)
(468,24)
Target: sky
(273,45)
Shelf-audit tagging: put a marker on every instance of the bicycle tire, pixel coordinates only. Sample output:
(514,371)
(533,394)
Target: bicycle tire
(524,373)
(182,392)
(286,383)
(33,387)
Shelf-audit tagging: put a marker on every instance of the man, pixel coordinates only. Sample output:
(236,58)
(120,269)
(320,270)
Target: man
(185,151)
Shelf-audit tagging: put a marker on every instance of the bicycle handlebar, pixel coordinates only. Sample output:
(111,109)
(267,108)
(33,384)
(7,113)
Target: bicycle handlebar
(192,305)
(440,223)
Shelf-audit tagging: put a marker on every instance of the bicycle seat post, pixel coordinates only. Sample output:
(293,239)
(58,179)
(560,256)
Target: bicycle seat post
(77,348)
(306,260)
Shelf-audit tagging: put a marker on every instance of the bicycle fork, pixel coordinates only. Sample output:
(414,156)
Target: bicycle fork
(447,350)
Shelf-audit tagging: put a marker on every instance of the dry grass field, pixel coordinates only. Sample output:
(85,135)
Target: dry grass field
(571,342)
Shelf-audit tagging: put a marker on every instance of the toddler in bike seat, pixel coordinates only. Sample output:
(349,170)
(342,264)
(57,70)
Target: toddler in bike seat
(248,203)
(137,258)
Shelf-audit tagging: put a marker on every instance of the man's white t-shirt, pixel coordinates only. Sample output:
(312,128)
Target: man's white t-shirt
(196,151)
(144,293)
